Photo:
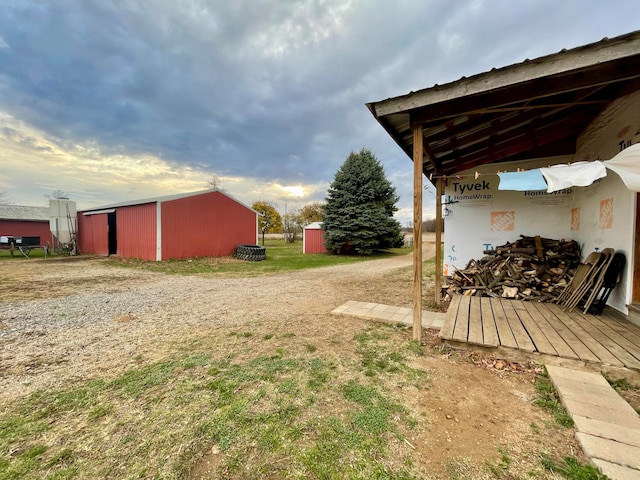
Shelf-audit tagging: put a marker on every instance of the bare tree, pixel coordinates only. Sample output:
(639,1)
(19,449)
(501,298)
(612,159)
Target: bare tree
(292,226)
(57,195)
(215,182)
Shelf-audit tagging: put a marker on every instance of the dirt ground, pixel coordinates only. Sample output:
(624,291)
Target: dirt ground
(67,321)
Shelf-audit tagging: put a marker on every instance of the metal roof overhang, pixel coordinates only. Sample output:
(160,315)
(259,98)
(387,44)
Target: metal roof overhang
(533,109)
(99,212)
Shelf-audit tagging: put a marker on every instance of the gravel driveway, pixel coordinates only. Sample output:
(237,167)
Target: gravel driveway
(108,318)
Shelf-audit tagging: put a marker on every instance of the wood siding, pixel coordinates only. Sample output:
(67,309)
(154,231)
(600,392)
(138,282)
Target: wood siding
(207,225)
(93,234)
(26,228)
(136,231)
(313,241)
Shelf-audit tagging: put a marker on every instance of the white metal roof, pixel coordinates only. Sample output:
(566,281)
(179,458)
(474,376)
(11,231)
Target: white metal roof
(166,198)
(315,226)
(22,212)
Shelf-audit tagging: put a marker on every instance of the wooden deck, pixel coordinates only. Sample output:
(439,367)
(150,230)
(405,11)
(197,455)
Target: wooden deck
(542,328)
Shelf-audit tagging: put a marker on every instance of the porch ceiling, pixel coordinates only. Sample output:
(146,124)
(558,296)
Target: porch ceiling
(536,108)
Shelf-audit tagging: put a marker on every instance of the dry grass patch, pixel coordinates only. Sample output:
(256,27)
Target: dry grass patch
(364,401)
(280,389)
(267,406)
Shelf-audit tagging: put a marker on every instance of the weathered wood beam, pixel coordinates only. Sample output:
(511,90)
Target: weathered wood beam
(546,86)
(514,149)
(418,155)
(526,108)
(451,135)
(503,141)
(450,131)
(425,147)
(514,127)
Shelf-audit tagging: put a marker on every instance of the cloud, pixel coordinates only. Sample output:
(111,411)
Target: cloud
(39,165)
(146,96)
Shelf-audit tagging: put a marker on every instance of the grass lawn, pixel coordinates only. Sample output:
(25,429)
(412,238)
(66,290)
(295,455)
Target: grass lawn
(277,406)
(281,257)
(291,413)
(5,255)
(329,400)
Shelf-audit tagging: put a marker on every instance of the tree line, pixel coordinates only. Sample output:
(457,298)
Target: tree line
(427,226)
(357,214)
(291,223)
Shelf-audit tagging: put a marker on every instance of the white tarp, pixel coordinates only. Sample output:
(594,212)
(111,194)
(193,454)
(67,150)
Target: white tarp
(579,174)
(627,165)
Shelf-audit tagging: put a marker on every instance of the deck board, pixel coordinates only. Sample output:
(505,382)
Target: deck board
(542,328)
(522,337)
(609,329)
(475,324)
(535,330)
(489,331)
(592,337)
(450,318)
(628,329)
(578,339)
(504,331)
(461,332)
(557,334)
(615,343)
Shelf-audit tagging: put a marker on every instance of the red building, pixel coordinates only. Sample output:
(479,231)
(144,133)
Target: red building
(18,221)
(313,238)
(208,223)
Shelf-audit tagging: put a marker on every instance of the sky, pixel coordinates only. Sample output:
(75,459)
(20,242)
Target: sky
(111,101)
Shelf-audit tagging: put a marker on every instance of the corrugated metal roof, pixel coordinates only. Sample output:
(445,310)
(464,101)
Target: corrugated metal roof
(536,108)
(166,198)
(21,212)
(605,50)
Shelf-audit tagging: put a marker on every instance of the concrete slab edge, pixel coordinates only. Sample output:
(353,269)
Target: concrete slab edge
(607,437)
(389,314)
(615,471)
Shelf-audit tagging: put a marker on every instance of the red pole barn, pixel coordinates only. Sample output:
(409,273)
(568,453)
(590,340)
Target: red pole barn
(208,223)
(18,221)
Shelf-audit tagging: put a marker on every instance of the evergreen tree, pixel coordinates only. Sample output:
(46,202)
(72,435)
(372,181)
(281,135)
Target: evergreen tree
(360,206)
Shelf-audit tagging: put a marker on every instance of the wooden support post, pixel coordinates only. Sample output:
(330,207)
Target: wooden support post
(418,154)
(439,191)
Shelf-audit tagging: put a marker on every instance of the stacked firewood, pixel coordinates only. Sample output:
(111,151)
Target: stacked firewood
(531,268)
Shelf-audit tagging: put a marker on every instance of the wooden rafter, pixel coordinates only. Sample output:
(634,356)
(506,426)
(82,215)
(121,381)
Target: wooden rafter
(540,107)
(557,125)
(455,138)
(512,149)
(537,89)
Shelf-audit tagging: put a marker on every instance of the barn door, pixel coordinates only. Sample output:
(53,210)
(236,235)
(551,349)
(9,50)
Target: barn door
(113,235)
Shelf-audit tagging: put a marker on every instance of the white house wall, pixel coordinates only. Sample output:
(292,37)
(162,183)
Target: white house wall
(607,208)
(602,215)
(479,217)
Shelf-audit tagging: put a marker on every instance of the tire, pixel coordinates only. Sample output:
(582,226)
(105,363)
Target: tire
(251,253)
